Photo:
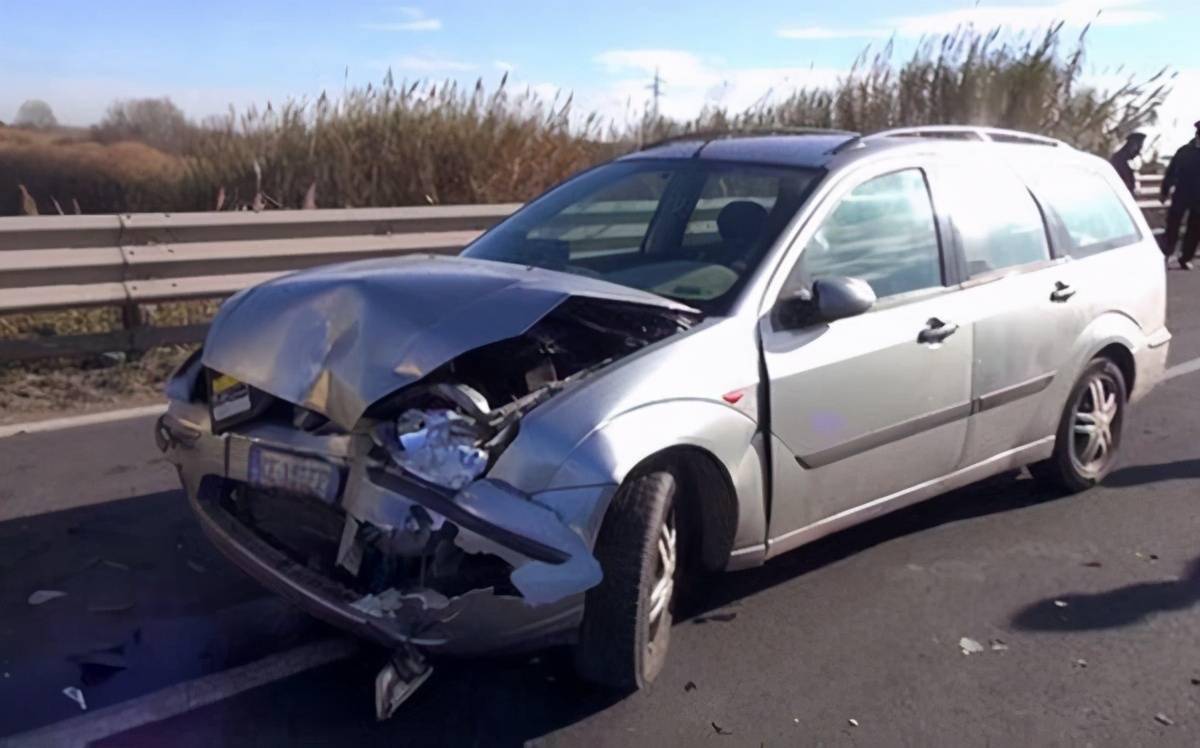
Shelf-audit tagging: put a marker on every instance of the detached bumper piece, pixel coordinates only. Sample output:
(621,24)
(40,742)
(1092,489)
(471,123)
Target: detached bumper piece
(403,674)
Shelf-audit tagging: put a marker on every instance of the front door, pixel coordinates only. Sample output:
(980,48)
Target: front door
(865,407)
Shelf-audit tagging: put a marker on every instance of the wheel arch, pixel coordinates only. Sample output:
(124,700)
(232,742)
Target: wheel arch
(713,450)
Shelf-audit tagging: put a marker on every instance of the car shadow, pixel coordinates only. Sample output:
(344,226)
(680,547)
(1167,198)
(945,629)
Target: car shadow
(1123,606)
(1001,493)
(1139,475)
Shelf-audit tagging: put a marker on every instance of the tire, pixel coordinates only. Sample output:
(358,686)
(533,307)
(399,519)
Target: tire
(1070,468)
(620,645)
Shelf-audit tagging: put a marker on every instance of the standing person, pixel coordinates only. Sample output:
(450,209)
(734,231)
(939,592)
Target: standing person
(1182,184)
(1122,160)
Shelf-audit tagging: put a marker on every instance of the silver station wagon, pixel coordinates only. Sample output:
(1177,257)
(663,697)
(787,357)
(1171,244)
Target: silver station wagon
(690,359)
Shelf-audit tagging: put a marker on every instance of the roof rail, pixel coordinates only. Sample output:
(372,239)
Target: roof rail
(710,135)
(970,132)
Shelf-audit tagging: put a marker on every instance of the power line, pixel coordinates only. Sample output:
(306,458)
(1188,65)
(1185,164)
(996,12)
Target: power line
(656,90)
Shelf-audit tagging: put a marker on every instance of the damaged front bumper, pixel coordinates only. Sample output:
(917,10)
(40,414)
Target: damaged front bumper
(391,559)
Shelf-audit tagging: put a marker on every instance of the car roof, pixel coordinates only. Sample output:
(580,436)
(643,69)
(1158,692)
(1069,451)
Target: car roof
(819,149)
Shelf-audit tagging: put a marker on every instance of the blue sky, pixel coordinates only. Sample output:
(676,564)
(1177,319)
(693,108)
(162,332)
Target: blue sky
(81,54)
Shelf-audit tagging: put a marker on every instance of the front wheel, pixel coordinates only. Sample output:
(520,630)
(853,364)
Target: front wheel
(627,617)
(1089,433)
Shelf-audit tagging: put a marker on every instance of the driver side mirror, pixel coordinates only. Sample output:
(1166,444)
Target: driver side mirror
(832,298)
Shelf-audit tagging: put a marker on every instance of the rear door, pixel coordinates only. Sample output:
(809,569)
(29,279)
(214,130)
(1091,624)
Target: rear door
(862,408)
(1023,305)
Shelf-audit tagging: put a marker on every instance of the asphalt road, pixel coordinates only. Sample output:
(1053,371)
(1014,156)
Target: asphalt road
(1086,608)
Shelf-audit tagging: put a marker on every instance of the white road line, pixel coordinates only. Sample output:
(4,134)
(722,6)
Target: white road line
(88,419)
(184,697)
(1178,370)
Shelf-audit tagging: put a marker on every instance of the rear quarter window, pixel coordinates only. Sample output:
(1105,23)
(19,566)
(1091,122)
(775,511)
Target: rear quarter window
(1092,215)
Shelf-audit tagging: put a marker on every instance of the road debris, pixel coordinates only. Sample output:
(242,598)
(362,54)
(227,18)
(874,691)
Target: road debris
(1060,603)
(969,646)
(1146,556)
(45,596)
(720,730)
(1093,564)
(74,694)
(405,671)
(1081,663)
(1163,719)
(1196,681)
(997,645)
(99,665)
(853,722)
(117,607)
(716,617)
(689,686)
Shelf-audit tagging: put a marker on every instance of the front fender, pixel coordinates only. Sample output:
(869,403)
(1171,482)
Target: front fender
(730,436)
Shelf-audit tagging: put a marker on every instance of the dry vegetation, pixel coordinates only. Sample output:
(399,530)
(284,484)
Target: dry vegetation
(440,143)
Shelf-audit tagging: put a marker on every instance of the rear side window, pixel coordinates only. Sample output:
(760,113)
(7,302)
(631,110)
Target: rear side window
(998,221)
(1092,215)
(883,232)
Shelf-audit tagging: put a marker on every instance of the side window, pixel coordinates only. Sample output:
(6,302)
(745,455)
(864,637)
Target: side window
(612,220)
(997,219)
(883,232)
(1092,215)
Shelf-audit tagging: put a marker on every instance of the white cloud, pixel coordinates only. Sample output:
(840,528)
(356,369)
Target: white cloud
(429,64)
(1010,16)
(415,20)
(824,32)
(691,82)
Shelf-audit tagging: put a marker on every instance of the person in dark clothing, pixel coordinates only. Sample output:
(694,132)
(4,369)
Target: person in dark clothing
(1122,160)
(1181,184)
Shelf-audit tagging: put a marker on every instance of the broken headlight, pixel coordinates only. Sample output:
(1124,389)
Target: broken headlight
(439,446)
(447,441)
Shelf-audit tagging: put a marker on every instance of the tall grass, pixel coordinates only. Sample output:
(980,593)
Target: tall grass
(967,77)
(397,144)
(430,143)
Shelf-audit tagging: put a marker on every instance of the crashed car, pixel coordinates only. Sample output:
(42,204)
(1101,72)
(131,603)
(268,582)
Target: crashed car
(690,359)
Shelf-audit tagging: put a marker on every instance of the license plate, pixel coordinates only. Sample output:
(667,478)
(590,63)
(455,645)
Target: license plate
(229,397)
(293,473)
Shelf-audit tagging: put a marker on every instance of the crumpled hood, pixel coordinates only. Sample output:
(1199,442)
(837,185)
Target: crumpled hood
(337,339)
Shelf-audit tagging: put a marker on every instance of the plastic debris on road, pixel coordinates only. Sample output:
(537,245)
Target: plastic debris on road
(969,646)
(998,645)
(45,596)
(853,722)
(74,694)
(1163,719)
(1060,603)
(720,730)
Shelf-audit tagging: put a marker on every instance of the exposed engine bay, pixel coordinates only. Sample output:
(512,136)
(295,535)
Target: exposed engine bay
(447,428)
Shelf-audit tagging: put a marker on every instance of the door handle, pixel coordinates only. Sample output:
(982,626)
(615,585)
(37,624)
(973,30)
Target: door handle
(936,331)
(1062,292)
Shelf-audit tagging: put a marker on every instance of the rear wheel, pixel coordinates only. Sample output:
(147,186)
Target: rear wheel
(1089,432)
(627,617)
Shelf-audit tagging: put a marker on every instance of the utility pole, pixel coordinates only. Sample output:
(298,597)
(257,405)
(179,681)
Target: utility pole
(656,90)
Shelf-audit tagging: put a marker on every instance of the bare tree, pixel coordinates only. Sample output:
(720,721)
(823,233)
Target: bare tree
(35,113)
(156,122)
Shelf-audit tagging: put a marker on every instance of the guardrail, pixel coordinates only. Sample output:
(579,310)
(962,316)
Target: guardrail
(50,263)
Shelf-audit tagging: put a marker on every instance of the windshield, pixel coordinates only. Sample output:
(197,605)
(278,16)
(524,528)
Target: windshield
(690,230)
